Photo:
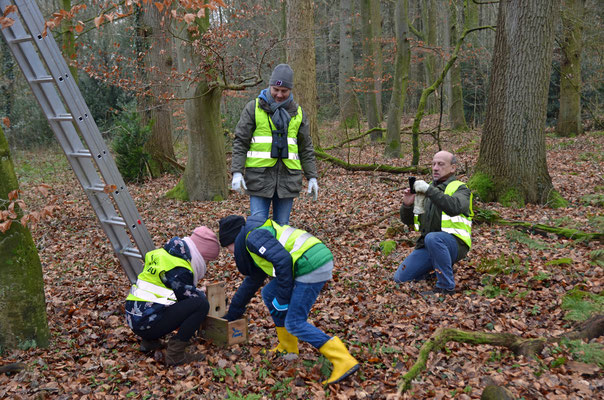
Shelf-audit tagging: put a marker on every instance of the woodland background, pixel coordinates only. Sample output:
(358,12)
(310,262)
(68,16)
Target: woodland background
(523,281)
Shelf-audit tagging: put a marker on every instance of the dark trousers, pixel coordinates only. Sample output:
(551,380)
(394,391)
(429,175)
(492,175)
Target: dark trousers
(184,315)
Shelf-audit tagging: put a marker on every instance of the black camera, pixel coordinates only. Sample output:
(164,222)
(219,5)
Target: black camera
(411,183)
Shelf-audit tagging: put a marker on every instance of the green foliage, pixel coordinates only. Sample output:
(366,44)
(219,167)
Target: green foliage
(482,185)
(500,265)
(128,144)
(585,352)
(387,247)
(597,257)
(561,261)
(238,396)
(178,192)
(581,304)
(105,102)
(521,237)
(594,199)
(555,200)
(483,214)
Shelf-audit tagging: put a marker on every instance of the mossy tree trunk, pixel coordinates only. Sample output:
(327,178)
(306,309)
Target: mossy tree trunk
(429,17)
(68,39)
(349,106)
(401,78)
(157,47)
(302,58)
(512,149)
(22,304)
(569,115)
(205,176)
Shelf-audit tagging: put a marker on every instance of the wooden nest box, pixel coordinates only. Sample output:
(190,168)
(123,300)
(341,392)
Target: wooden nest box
(217,329)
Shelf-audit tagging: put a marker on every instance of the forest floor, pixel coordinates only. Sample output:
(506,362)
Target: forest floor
(511,281)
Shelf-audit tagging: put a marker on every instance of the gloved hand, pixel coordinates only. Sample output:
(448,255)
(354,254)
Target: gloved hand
(278,310)
(420,186)
(313,188)
(238,183)
(418,204)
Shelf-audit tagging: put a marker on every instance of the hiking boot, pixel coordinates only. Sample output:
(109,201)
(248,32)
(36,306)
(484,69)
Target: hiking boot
(176,353)
(148,346)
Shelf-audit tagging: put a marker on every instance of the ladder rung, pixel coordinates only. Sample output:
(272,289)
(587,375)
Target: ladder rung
(131,252)
(21,39)
(115,221)
(80,153)
(62,117)
(96,188)
(43,79)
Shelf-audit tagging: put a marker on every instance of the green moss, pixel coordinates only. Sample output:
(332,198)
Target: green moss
(387,246)
(217,197)
(512,198)
(555,200)
(179,192)
(482,185)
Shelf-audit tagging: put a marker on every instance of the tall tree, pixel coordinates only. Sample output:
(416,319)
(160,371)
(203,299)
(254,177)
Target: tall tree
(569,116)
(401,78)
(378,71)
(512,166)
(457,119)
(157,65)
(429,16)
(349,107)
(370,63)
(301,57)
(22,303)
(69,49)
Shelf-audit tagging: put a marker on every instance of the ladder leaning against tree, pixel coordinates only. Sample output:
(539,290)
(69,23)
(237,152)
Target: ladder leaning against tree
(51,82)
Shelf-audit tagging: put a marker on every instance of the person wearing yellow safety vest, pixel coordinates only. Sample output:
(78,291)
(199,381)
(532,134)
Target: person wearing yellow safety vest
(272,149)
(442,212)
(165,297)
(299,265)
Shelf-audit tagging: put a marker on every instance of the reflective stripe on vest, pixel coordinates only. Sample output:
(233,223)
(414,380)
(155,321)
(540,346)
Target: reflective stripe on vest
(148,286)
(259,153)
(295,241)
(459,225)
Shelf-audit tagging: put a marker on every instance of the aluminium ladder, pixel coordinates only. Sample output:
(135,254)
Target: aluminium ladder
(52,84)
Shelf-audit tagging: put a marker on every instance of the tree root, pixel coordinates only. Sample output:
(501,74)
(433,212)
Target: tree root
(594,327)
(369,167)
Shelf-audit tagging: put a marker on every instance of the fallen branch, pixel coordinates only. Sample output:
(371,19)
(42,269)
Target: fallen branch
(592,328)
(375,222)
(494,218)
(369,167)
(13,367)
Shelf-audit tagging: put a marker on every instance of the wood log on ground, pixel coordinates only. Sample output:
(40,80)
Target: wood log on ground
(592,328)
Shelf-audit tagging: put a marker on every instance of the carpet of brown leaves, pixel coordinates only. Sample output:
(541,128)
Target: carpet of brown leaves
(94,355)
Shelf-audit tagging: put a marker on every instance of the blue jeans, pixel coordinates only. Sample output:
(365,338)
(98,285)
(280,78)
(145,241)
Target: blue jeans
(438,254)
(303,298)
(281,208)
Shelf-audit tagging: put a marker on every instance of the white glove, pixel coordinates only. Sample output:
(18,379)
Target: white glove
(238,183)
(418,205)
(313,188)
(420,186)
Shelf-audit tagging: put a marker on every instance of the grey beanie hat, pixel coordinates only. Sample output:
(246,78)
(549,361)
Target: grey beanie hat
(282,75)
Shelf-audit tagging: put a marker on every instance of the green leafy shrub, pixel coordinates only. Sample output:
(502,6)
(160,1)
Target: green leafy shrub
(581,304)
(128,144)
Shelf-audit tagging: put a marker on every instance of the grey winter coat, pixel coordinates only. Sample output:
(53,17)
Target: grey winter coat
(436,202)
(263,182)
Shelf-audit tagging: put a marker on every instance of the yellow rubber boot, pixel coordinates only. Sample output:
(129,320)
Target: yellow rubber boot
(344,364)
(288,343)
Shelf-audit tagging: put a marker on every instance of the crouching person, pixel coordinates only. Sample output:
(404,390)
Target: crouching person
(165,297)
(299,265)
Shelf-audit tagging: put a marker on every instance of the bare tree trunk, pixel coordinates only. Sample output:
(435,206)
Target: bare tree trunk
(401,78)
(349,108)
(511,166)
(457,119)
(205,176)
(301,57)
(569,116)
(68,39)
(22,302)
(371,95)
(430,29)
(378,70)
(157,43)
